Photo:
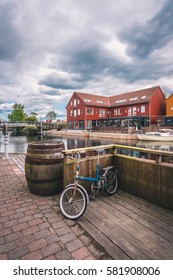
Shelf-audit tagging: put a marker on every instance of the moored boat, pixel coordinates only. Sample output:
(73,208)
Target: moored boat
(160,135)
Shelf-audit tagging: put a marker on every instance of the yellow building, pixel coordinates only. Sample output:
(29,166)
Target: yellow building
(169,105)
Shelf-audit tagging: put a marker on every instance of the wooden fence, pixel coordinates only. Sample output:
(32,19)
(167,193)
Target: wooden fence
(144,172)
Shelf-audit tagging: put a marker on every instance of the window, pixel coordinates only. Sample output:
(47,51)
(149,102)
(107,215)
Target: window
(121,101)
(102,113)
(143,109)
(143,97)
(119,112)
(129,111)
(89,111)
(78,112)
(87,100)
(70,125)
(133,98)
(75,102)
(74,113)
(115,112)
(171,108)
(78,102)
(99,101)
(71,113)
(81,124)
(134,111)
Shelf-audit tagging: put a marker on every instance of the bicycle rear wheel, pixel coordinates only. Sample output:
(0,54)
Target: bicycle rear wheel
(73,202)
(111,182)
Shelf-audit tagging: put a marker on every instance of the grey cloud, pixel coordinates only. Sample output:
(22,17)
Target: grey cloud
(53,81)
(87,61)
(144,38)
(10,41)
(58,52)
(50,92)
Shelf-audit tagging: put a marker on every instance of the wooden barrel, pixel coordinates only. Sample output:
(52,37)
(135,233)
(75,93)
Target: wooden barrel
(44,167)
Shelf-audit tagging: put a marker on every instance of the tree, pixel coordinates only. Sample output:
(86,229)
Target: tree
(32,117)
(17,114)
(33,114)
(51,116)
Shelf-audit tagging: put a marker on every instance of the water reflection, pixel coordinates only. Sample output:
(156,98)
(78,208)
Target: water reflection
(18,144)
(156,145)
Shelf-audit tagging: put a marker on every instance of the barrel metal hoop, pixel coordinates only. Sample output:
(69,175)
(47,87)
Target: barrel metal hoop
(48,151)
(42,181)
(40,161)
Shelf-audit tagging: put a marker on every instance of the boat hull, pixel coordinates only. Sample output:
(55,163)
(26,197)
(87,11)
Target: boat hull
(145,137)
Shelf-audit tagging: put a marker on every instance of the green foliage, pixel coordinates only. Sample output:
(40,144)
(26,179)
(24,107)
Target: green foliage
(51,115)
(30,130)
(31,119)
(61,126)
(17,114)
(33,114)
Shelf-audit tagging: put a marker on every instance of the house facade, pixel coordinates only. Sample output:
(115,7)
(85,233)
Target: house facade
(137,108)
(169,110)
(169,105)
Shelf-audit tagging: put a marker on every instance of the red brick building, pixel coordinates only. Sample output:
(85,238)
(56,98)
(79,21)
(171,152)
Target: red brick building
(137,108)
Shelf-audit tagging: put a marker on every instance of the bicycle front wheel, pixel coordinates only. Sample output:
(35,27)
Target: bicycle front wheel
(111,182)
(73,202)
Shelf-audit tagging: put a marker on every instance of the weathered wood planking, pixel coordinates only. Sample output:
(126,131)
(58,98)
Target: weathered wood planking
(146,179)
(135,228)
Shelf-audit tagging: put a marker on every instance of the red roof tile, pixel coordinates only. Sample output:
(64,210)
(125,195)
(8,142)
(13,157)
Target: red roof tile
(93,99)
(134,97)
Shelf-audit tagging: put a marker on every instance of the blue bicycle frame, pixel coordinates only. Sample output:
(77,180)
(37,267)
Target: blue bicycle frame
(90,179)
(98,176)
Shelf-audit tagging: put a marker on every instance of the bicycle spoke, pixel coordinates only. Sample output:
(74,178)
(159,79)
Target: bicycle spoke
(111,183)
(73,202)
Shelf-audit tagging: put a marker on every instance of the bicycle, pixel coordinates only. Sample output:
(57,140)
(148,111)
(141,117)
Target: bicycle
(74,198)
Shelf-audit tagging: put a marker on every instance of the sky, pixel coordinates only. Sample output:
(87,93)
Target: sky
(51,48)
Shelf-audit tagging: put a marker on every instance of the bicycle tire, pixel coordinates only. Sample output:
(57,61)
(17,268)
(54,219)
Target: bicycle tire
(111,182)
(73,208)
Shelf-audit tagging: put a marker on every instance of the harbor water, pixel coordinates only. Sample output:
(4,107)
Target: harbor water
(19,143)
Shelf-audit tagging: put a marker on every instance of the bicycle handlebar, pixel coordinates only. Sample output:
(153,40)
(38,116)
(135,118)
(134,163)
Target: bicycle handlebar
(98,151)
(74,158)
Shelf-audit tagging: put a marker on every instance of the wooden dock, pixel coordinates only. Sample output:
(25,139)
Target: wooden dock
(129,227)
(126,226)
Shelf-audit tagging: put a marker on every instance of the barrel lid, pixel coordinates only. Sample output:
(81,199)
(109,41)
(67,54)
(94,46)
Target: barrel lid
(46,145)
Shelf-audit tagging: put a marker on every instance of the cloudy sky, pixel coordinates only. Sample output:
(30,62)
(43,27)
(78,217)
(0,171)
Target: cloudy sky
(51,48)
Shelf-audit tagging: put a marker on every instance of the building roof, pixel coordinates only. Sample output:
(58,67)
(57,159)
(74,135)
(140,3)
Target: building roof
(93,99)
(169,97)
(134,97)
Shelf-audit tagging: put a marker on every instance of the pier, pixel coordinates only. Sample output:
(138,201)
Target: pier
(122,226)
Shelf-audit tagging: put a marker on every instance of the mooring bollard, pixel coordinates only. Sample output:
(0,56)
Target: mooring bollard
(6,142)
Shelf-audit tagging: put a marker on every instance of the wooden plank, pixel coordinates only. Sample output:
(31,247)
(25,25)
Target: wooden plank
(115,252)
(111,228)
(122,241)
(161,213)
(146,236)
(162,221)
(124,236)
(159,227)
(19,160)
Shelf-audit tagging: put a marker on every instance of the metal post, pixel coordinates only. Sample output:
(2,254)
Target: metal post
(5,132)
